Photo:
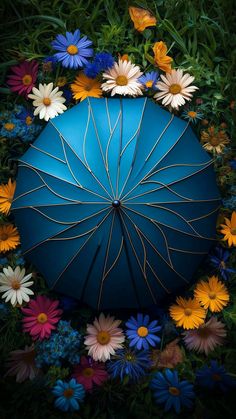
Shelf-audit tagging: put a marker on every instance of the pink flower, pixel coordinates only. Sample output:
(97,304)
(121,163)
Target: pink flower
(104,337)
(89,372)
(206,337)
(41,316)
(21,364)
(24,77)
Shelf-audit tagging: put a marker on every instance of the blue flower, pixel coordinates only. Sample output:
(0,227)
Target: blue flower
(25,116)
(214,377)
(73,50)
(230,203)
(233,164)
(192,115)
(68,395)
(64,343)
(102,61)
(169,390)
(49,63)
(3,261)
(127,362)
(10,128)
(149,80)
(218,260)
(141,333)
(68,303)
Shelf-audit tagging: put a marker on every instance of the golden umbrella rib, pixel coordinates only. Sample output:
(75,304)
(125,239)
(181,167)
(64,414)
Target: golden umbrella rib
(137,258)
(156,164)
(87,167)
(78,252)
(105,261)
(63,231)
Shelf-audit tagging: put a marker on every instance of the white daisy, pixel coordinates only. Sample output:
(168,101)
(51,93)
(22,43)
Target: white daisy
(174,88)
(48,101)
(122,79)
(15,285)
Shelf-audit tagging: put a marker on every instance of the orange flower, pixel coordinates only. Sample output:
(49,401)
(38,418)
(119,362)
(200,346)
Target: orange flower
(142,18)
(9,237)
(84,87)
(162,60)
(212,294)
(187,313)
(6,195)
(229,230)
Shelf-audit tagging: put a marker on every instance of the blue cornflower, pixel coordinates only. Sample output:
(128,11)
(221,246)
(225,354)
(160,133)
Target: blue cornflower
(214,377)
(49,63)
(67,94)
(169,390)
(141,333)
(102,61)
(3,261)
(25,116)
(127,362)
(64,343)
(230,203)
(149,80)
(68,395)
(218,260)
(73,50)
(10,128)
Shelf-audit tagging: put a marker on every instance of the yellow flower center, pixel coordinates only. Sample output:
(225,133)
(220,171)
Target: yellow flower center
(214,141)
(212,295)
(149,83)
(121,81)
(3,237)
(192,114)
(28,120)
(61,81)
(88,372)
(68,393)
(9,126)
(188,312)
(175,89)
(72,49)
(42,318)
(47,101)
(130,357)
(142,331)
(27,79)
(174,391)
(15,284)
(103,337)
(233,231)
(216,377)
(222,264)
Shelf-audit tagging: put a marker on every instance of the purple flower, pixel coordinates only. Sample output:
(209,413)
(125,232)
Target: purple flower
(218,260)
(73,51)
(141,332)
(149,80)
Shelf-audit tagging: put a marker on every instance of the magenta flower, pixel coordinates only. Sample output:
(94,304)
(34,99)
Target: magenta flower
(41,316)
(24,77)
(90,372)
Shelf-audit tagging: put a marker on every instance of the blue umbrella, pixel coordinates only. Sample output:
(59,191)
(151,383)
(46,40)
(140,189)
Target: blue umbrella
(116,202)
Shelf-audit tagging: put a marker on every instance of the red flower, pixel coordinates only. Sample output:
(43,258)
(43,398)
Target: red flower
(41,316)
(90,372)
(24,77)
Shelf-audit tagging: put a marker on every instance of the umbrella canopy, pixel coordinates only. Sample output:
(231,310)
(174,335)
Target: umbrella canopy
(116,202)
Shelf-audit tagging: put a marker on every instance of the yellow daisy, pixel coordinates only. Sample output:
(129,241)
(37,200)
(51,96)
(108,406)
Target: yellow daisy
(9,237)
(84,87)
(187,313)
(212,294)
(6,196)
(229,230)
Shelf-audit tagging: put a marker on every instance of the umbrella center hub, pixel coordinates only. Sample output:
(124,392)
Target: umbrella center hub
(175,89)
(103,337)
(42,318)
(116,203)
(142,331)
